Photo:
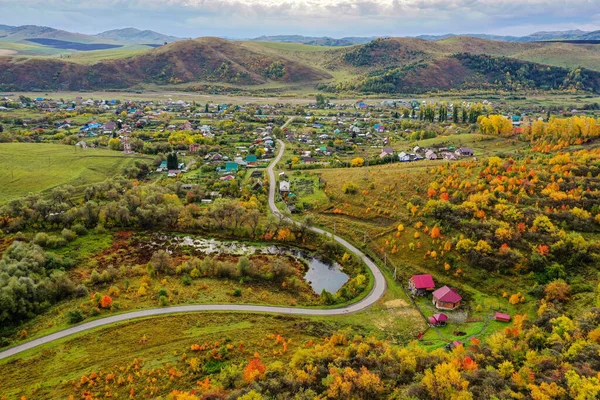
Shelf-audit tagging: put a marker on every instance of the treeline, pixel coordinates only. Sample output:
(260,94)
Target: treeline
(31,280)
(515,74)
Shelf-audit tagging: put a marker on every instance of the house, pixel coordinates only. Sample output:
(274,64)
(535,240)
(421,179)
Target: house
(502,317)
(446,298)
(162,166)
(516,120)
(421,284)
(379,128)
(173,173)
(386,152)
(227,178)
(231,166)
(430,155)
(438,320)
(309,160)
(403,157)
(193,148)
(251,160)
(360,105)
(446,155)
(464,152)
(284,186)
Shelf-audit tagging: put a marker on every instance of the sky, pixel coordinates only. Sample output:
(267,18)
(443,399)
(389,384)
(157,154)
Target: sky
(336,18)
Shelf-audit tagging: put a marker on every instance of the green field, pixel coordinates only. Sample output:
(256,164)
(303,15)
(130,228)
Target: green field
(27,167)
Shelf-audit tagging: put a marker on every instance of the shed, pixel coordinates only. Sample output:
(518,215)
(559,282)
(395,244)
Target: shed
(438,319)
(502,317)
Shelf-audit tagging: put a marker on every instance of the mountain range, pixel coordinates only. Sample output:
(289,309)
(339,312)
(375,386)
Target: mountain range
(578,35)
(117,36)
(392,65)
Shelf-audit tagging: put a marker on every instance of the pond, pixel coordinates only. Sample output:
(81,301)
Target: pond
(321,273)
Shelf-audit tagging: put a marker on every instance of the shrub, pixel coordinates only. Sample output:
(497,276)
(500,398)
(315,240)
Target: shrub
(186,280)
(225,270)
(244,265)
(74,316)
(350,188)
(68,235)
(237,292)
(79,229)
(95,278)
(81,291)
(161,261)
(163,300)
(41,239)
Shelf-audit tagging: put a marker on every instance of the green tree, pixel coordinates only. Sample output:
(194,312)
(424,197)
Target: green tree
(172,162)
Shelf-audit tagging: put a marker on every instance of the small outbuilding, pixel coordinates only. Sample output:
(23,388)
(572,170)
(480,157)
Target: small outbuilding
(438,320)
(502,317)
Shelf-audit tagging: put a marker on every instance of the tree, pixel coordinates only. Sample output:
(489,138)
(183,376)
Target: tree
(172,162)
(114,144)
(558,290)
(357,162)
(254,370)
(106,302)
(321,100)
(161,261)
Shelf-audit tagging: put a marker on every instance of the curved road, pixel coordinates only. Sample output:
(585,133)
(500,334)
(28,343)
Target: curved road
(376,293)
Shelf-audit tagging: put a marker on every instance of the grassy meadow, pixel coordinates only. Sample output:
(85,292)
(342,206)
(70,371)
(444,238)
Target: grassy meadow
(31,168)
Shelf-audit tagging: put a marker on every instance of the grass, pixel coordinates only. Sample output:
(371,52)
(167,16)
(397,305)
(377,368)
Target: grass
(31,168)
(44,372)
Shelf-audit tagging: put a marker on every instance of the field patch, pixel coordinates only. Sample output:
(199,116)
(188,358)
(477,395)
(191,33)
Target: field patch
(30,168)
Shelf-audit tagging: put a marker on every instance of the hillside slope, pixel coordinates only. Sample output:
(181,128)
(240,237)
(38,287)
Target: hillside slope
(205,59)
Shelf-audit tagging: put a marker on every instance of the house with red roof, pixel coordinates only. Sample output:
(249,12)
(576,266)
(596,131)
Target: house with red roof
(420,285)
(446,298)
(438,320)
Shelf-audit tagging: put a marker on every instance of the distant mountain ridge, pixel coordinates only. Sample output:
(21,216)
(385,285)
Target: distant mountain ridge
(115,36)
(534,37)
(137,36)
(350,41)
(316,40)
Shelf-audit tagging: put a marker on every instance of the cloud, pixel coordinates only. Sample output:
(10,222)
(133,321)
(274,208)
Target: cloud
(309,17)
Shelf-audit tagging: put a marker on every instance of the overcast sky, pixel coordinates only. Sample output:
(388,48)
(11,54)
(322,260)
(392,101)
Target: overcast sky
(337,18)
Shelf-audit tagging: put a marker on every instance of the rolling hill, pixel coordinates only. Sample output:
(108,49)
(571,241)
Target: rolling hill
(381,66)
(205,59)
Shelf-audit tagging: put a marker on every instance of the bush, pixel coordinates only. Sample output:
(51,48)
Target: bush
(161,261)
(81,291)
(350,188)
(79,229)
(74,316)
(225,270)
(163,300)
(237,292)
(41,239)
(68,235)
(95,278)
(186,280)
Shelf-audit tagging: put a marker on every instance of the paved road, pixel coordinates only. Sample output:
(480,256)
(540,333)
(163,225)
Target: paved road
(376,293)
